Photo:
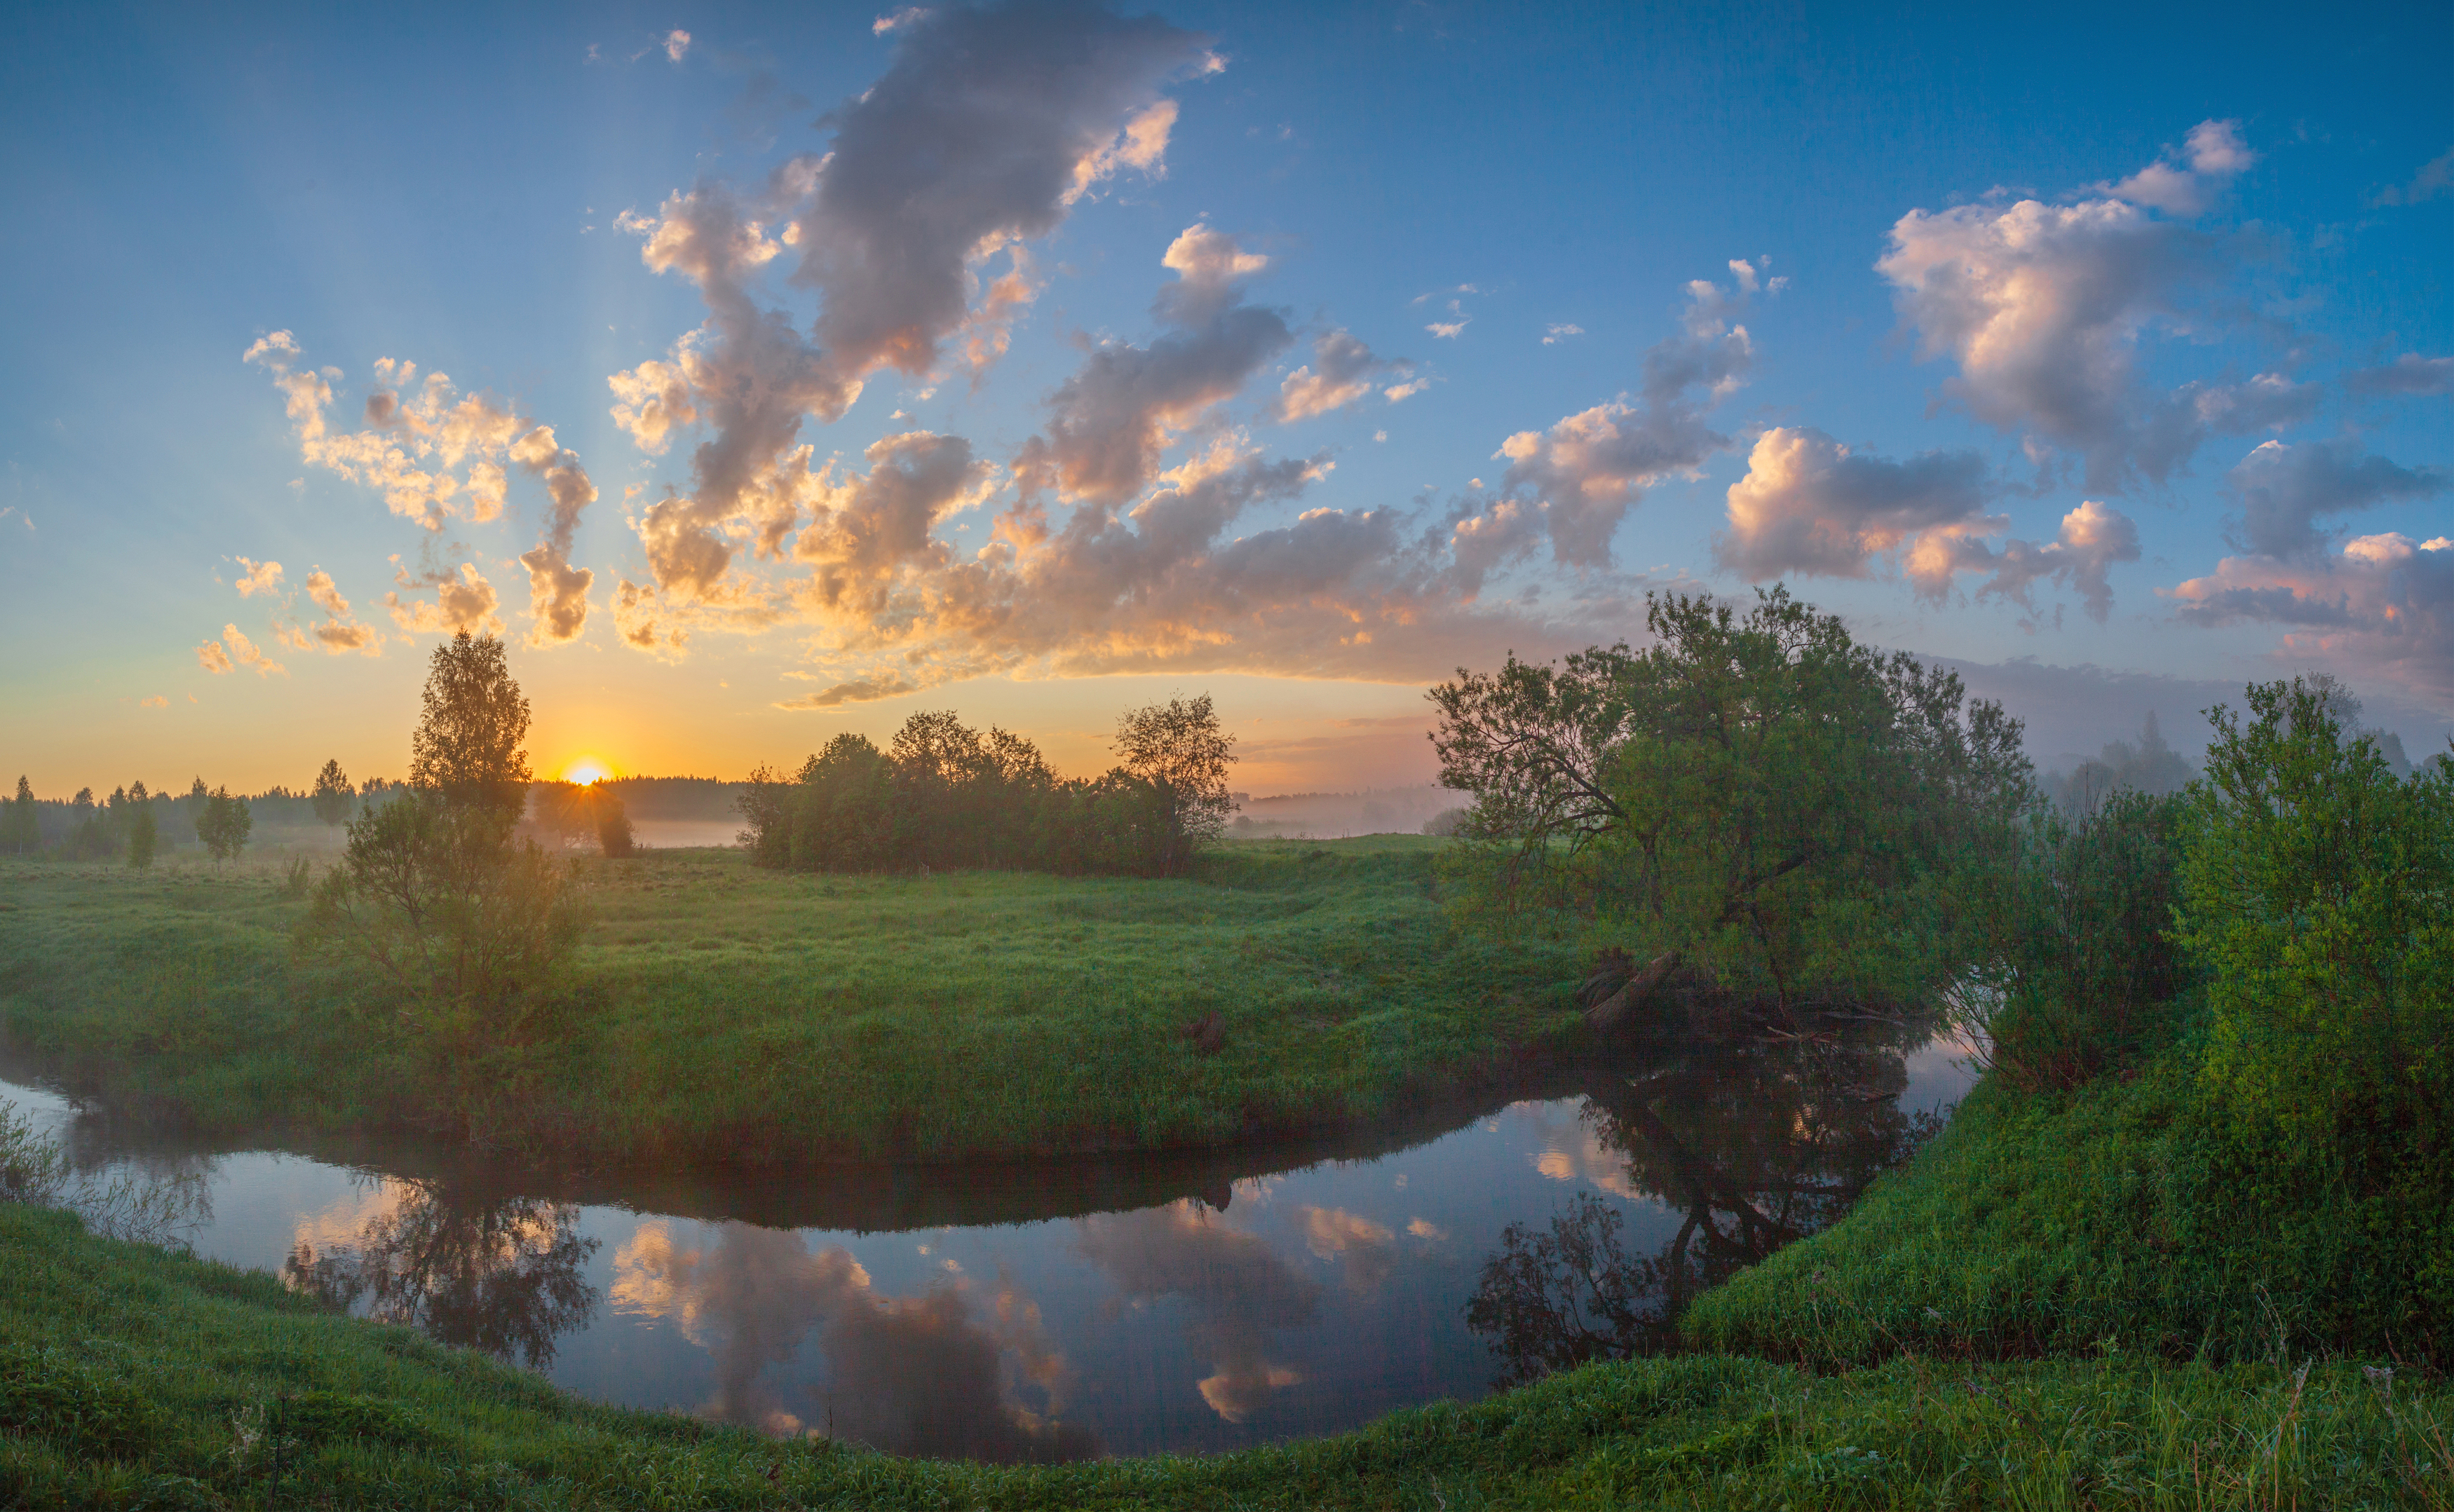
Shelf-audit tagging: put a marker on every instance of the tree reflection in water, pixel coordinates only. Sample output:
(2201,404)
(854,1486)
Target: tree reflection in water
(503,1276)
(1754,1144)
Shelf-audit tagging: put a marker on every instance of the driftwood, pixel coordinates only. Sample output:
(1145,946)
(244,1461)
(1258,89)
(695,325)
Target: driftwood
(1611,1011)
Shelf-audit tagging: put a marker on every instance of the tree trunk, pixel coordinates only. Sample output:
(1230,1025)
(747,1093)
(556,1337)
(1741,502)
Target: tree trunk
(1607,1014)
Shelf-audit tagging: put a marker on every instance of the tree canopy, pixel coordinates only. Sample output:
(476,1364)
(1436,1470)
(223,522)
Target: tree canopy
(1754,798)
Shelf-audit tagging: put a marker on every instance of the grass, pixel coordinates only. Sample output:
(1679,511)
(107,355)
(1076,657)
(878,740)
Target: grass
(131,1376)
(718,1012)
(2115,1217)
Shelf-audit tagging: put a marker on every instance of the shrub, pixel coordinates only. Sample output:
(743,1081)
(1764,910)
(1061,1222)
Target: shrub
(2083,969)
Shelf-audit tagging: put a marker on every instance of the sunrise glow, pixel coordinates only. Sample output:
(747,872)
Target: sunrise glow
(586,769)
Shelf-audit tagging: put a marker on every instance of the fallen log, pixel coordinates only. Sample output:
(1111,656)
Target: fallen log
(1613,1010)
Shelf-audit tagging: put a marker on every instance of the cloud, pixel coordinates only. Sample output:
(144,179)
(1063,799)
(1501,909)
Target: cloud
(417,434)
(676,43)
(2212,157)
(1576,481)
(2410,373)
(2093,537)
(2286,490)
(463,601)
(1110,421)
(262,577)
(1553,335)
(2382,607)
(212,658)
(242,652)
(2436,177)
(866,692)
(1346,372)
(987,124)
(157,700)
(2041,308)
(340,633)
(1809,504)
(1448,329)
(557,590)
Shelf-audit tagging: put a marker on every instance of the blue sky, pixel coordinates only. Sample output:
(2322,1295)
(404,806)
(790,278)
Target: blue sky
(2046,316)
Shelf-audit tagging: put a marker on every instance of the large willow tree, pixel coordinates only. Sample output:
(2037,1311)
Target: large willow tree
(1755,801)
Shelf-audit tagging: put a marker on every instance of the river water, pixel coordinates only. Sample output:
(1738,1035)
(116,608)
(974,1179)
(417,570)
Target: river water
(1077,1308)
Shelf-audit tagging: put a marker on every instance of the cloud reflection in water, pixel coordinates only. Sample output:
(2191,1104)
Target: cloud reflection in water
(909,1375)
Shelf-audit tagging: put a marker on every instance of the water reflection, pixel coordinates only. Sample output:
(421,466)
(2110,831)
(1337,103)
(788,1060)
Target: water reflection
(909,1375)
(1753,1145)
(502,1275)
(1121,1305)
(1237,1289)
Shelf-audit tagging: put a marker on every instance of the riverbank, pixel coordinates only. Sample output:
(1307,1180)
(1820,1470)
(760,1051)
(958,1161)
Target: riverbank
(134,1376)
(722,1014)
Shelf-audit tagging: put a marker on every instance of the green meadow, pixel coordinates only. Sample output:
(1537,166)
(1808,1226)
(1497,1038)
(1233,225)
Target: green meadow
(720,1012)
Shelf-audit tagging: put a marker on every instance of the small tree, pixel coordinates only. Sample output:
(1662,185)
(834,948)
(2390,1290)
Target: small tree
(467,745)
(19,828)
(436,888)
(1178,748)
(612,825)
(222,825)
(142,837)
(333,794)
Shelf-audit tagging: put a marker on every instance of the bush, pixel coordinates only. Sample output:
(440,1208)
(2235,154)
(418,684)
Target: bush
(2083,970)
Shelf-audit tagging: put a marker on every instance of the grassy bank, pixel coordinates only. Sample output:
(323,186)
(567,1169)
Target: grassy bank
(130,1376)
(721,1012)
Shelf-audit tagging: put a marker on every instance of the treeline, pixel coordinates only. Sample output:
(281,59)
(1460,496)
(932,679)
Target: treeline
(134,823)
(947,796)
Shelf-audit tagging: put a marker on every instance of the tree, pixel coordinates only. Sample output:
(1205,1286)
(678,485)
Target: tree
(1178,748)
(333,794)
(469,921)
(2318,888)
(467,745)
(224,824)
(142,837)
(613,837)
(1756,801)
(22,830)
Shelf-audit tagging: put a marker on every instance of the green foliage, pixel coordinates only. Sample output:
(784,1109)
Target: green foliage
(333,794)
(948,797)
(129,1373)
(613,837)
(19,829)
(2082,971)
(143,836)
(1787,812)
(2319,892)
(995,1013)
(222,825)
(469,924)
(467,743)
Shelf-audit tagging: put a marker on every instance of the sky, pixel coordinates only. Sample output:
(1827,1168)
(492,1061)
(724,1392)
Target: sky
(765,372)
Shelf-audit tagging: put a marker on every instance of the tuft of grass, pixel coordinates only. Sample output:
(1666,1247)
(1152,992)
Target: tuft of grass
(718,1012)
(132,1376)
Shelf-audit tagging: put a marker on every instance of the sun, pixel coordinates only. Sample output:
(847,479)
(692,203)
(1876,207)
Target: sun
(586,769)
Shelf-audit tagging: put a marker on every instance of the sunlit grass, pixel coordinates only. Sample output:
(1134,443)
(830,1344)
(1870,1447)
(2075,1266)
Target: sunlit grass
(717,1011)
